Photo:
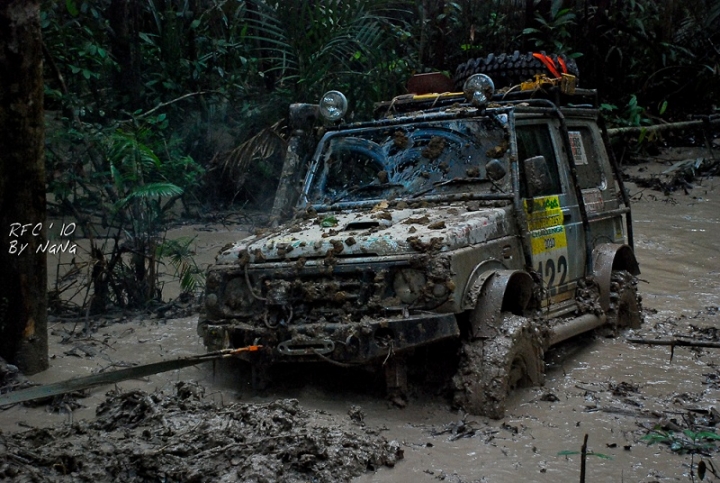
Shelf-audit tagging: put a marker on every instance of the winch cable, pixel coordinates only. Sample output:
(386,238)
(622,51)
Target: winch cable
(85,382)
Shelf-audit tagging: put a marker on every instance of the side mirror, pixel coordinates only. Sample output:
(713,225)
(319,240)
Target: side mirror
(495,169)
(537,176)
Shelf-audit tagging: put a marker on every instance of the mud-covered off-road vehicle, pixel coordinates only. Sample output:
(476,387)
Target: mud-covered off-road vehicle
(495,218)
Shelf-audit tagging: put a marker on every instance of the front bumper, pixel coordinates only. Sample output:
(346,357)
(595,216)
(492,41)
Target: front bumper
(355,342)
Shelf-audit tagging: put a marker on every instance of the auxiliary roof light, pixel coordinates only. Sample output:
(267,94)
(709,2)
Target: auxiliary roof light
(479,89)
(333,105)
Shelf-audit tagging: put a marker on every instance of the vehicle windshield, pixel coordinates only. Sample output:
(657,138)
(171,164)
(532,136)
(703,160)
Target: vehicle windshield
(410,161)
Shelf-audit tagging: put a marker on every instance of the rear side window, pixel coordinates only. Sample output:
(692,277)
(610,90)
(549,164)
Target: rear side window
(532,141)
(585,154)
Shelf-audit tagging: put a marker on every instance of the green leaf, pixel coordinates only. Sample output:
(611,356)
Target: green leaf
(600,455)
(656,437)
(567,453)
(663,107)
(641,137)
(72,8)
(707,435)
(329,221)
(152,190)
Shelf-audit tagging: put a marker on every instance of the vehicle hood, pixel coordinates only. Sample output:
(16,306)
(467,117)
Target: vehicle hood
(382,231)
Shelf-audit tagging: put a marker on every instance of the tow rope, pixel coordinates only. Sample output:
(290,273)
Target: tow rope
(85,382)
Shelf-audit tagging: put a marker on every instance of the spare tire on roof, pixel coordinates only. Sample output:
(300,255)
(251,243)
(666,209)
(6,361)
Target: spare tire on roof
(512,69)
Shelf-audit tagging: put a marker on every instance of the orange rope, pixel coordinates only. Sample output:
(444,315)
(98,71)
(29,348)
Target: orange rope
(250,348)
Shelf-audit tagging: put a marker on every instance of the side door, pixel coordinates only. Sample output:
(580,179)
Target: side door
(557,239)
(596,181)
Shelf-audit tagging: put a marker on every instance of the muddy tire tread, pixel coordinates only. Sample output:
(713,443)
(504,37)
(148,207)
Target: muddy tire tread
(482,382)
(625,310)
(508,69)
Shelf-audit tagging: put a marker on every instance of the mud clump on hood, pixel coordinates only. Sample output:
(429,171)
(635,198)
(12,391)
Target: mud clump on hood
(141,437)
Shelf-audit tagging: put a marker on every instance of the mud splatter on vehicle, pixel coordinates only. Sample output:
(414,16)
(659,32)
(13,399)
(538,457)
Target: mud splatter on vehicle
(497,220)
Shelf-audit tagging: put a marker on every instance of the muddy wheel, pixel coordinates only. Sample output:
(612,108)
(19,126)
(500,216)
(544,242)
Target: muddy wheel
(625,308)
(490,369)
(510,69)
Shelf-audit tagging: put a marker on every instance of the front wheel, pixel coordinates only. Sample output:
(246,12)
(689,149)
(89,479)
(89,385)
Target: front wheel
(491,368)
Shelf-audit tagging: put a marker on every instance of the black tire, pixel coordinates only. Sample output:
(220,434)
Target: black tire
(509,69)
(489,369)
(625,310)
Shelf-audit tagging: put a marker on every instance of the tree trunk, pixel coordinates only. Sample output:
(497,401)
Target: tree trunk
(23,284)
(124,44)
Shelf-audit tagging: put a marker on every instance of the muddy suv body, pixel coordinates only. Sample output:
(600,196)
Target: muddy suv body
(504,224)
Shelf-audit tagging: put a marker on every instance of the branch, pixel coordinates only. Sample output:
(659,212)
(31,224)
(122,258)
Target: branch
(660,127)
(675,342)
(165,104)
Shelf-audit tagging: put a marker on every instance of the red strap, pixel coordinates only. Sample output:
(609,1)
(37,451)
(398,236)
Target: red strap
(562,64)
(548,63)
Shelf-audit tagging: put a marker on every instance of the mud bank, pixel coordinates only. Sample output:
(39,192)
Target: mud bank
(140,437)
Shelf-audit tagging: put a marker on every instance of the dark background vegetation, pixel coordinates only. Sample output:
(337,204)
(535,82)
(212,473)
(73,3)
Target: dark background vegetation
(175,107)
(204,85)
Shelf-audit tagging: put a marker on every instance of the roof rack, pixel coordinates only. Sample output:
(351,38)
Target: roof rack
(423,102)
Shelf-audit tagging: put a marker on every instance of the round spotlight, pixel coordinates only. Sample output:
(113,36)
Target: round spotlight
(333,105)
(479,89)
(408,285)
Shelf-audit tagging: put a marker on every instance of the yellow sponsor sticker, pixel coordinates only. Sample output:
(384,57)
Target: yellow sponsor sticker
(545,223)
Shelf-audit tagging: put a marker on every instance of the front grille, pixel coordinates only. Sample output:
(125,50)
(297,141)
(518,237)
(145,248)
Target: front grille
(307,296)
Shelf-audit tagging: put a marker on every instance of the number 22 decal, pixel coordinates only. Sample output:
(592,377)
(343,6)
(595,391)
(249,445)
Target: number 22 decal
(552,269)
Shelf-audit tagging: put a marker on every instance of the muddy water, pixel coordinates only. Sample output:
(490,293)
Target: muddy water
(606,388)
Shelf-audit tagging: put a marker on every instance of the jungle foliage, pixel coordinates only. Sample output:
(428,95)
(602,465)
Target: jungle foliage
(155,103)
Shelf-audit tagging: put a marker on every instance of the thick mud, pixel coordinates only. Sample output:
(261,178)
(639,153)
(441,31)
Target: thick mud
(140,437)
(612,390)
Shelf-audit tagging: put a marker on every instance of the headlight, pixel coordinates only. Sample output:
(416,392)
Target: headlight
(408,285)
(236,295)
(479,89)
(333,106)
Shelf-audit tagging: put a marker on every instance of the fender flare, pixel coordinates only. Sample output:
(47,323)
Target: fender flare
(607,258)
(499,291)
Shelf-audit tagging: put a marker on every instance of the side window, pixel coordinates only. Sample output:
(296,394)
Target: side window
(536,141)
(585,154)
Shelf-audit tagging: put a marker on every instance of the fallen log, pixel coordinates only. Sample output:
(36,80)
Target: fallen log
(80,383)
(617,131)
(675,342)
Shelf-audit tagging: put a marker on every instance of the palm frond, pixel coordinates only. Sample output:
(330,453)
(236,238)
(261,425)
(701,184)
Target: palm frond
(151,190)
(265,144)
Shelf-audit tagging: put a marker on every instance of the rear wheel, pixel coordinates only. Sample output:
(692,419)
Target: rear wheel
(511,69)
(491,368)
(625,304)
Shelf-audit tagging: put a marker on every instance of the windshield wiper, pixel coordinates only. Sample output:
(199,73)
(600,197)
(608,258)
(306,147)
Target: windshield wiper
(446,182)
(364,188)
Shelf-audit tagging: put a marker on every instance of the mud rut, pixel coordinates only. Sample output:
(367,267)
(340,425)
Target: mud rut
(204,424)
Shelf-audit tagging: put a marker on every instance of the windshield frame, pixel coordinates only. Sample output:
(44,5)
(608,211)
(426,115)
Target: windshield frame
(505,186)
